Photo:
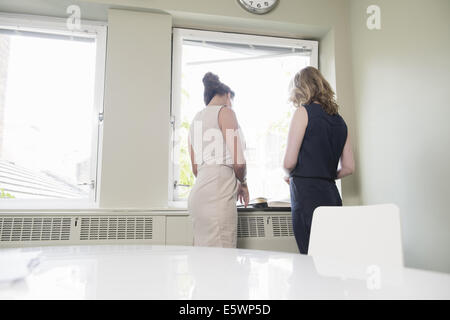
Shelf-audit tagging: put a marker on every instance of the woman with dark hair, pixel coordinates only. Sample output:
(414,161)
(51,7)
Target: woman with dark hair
(318,140)
(216,148)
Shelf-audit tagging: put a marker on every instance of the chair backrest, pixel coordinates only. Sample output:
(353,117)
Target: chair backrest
(365,235)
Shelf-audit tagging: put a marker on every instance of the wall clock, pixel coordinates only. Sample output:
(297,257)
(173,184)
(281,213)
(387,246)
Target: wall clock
(258,6)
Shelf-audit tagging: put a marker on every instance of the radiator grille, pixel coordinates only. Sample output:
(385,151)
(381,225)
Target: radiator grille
(34,229)
(282,226)
(116,228)
(250,227)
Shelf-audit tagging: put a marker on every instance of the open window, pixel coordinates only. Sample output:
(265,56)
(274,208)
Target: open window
(259,70)
(51,101)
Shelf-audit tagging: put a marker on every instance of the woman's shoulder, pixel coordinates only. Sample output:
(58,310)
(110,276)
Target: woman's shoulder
(301,111)
(225,112)
(198,115)
(300,117)
(227,117)
(339,120)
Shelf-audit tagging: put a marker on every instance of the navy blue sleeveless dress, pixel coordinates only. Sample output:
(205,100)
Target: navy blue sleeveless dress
(312,182)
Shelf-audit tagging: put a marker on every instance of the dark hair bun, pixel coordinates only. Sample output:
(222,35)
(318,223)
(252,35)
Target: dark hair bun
(211,80)
(213,87)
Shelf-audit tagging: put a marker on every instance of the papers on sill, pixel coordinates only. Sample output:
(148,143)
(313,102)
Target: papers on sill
(279,204)
(265,203)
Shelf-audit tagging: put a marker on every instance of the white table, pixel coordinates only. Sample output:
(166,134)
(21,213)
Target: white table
(176,272)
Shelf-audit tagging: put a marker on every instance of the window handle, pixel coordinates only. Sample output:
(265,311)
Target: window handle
(92,184)
(176,184)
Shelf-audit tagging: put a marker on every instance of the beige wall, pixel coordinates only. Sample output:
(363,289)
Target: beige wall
(401,79)
(136,123)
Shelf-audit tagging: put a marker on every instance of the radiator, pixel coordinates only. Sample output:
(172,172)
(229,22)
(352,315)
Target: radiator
(38,230)
(266,232)
(255,231)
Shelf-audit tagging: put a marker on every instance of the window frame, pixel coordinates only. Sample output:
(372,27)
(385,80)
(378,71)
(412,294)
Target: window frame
(58,26)
(178,35)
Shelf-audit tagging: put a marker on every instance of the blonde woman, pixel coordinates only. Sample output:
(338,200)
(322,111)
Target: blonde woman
(217,156)
(318,140)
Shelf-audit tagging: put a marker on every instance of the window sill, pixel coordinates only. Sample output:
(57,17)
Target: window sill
(275,209)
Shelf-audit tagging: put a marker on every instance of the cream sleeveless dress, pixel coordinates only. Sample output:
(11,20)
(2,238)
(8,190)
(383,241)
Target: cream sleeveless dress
(212,200)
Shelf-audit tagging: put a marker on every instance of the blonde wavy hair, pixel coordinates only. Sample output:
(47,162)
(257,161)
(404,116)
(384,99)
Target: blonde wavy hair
(309,86)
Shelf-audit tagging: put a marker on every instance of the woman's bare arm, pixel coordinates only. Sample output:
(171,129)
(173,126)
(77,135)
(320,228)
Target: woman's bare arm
(229,125)
(347,160)
(296,134)
(191,153)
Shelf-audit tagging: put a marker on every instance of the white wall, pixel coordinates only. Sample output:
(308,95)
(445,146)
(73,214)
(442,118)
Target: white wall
(402,97)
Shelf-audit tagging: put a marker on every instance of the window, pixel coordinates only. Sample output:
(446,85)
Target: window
(51,91)
(260,71)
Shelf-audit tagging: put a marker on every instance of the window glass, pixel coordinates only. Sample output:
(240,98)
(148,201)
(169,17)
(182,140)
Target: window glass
(47,86)
(260,76)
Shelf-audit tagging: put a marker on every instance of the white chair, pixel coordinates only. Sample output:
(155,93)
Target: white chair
(356,239)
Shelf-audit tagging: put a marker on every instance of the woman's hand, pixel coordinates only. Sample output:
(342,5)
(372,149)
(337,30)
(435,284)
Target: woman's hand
(286,179)
(243,195)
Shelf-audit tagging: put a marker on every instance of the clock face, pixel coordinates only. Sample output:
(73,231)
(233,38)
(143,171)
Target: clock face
(258,6)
